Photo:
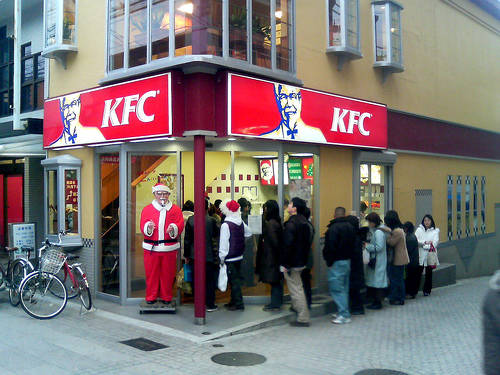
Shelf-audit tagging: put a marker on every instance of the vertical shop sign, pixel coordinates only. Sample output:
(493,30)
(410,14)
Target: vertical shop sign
(295,169)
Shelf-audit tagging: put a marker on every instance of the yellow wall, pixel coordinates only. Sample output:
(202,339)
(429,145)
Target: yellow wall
(85,68)
(335,183)
(451,62)
(425,172)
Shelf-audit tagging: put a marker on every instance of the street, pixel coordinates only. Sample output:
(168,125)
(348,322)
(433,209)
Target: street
(440,334)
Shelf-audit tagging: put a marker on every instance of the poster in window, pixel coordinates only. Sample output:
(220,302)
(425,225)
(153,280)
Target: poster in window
(308,169)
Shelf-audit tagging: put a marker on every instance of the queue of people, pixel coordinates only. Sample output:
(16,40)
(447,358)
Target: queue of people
(392,250)
(385,257)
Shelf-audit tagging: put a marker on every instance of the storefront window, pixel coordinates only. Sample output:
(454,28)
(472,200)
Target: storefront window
(145,172)
(71,201)
(115,34)
(283,34)
(198,30)
(372,190)
(52,200)
(261,33)
(137,36)
(109,234)
(160,28)
(238,29)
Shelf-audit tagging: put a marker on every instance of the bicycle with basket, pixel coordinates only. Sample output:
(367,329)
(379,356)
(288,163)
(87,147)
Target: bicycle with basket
(43,294)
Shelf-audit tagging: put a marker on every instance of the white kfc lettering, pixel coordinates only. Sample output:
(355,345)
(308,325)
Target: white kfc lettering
(355,118)
(109,114)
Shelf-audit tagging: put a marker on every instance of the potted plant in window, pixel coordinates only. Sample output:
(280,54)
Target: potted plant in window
(261,40)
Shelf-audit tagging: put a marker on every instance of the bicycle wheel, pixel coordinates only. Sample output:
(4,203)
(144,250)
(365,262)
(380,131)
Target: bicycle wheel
(83,288)
(20,269)
(63,275)
(38,294)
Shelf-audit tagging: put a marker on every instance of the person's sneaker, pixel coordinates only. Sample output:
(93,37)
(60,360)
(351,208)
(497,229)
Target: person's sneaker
(396,303)
(358,312)
(271,308)
(236,308)
(335,315)
(150,302)
(300,324)
(374,306)
(341,320)
(427,294)
(212,308)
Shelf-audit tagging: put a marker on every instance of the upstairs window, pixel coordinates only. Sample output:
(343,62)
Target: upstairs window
(387,35)
(6,72)
(59,28)
(343,27)
(32,79)
(258,32)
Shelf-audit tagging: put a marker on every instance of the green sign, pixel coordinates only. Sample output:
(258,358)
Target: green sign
(295,169)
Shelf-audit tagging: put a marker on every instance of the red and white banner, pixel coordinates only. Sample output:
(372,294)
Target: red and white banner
(264,109)
(132,110)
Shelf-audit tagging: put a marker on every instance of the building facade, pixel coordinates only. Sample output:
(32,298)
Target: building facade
(345,103)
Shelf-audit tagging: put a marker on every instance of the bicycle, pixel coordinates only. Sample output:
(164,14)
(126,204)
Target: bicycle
(17,270)
(75,280)
(43,295)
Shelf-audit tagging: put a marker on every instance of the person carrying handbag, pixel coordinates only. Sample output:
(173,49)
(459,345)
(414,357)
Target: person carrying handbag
(427,234)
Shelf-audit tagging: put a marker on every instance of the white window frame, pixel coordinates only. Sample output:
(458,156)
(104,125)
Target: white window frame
(59,49)
(61,164)
(344,48)
(224,60)
(388,64)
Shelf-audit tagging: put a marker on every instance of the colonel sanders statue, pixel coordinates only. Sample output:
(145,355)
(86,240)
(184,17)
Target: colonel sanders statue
(162,224)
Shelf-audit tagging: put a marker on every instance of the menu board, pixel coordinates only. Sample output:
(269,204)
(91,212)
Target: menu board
(22,234)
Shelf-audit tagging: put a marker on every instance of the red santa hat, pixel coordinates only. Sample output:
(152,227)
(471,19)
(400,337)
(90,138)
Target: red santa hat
(230,208)
(161,187)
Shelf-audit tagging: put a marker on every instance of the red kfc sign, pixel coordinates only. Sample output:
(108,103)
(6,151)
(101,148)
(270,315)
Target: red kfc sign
(264,109)
(137,109)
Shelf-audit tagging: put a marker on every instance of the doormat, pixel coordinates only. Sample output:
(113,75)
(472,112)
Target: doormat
(238,359)
(144,344)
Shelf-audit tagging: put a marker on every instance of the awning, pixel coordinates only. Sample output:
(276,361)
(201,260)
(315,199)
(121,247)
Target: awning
(22,145)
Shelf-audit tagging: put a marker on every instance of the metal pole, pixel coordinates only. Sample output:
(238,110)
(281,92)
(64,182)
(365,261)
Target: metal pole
(199,232)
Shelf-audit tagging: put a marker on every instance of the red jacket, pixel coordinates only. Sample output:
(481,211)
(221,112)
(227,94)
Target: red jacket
(160,239)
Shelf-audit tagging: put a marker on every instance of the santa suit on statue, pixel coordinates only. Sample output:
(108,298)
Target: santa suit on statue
(162,224)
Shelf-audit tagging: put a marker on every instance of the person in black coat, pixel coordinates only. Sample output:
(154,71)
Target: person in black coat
(293,258)
(412,282)
(268,254)
(340,240)
(357,277)
(211,258)
(305,275)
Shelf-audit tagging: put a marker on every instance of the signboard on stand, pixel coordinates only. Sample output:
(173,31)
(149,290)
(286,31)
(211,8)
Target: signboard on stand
(22,234)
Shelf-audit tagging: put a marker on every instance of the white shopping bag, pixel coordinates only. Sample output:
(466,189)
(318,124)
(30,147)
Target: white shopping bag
(222,282)
(366,256)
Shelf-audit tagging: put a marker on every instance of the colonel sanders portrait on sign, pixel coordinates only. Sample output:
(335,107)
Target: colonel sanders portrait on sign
(291,126)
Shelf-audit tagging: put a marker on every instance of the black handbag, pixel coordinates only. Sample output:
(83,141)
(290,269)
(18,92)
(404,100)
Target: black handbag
(373,261)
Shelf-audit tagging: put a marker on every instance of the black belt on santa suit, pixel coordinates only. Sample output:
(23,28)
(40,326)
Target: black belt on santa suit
(156,243)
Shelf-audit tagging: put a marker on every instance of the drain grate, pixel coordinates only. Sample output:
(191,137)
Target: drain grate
(144,344)
(238,359)
(379,371)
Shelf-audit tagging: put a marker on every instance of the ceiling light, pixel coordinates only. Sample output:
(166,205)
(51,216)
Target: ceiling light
(186,8)
(278,14)
(302,154)
(66,148)
(264,156)
(153,139)
(231,139)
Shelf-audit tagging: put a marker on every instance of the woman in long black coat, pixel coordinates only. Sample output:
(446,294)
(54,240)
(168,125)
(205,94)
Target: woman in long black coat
(268,262)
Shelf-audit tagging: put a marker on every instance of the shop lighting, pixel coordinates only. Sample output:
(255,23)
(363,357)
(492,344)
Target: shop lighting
(153,139)
(302,154)
(66,148)
(278,14)
(105,144)
(231,139)
(186,8)
(265,157)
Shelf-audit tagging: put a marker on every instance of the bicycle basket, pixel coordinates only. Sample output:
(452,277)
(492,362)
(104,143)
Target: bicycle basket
(52,261)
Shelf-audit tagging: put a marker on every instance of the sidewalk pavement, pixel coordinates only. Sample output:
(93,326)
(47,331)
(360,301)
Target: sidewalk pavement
(435,335)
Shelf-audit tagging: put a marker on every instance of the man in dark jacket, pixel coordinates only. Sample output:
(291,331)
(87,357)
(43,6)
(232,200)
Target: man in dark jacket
(296,247)
(211,235)
(340,240)
(357,277)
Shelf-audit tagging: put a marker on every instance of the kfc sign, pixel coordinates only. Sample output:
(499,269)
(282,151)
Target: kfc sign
(259,108)
(137,109)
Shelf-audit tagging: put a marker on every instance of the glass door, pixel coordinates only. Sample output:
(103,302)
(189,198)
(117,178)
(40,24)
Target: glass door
(110,218)
(372,190)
